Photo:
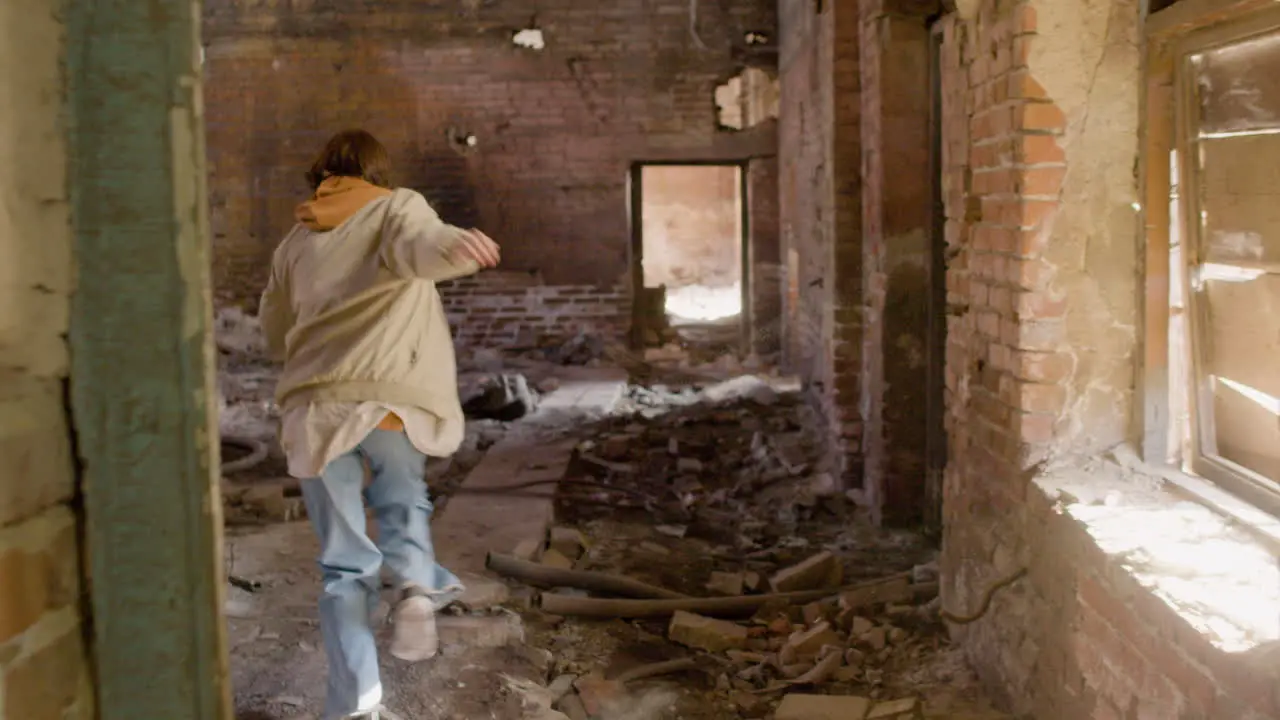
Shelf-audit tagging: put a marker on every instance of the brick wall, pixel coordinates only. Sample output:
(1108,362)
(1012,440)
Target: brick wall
(1040,136)
(556,129)
(43,662)
(820,213)
(505,309)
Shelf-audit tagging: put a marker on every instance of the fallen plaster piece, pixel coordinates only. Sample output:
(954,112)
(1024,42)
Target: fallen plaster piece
(530,38)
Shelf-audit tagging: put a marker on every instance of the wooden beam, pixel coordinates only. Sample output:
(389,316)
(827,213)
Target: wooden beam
(142,360)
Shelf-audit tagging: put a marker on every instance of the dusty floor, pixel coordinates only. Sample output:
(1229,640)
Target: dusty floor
(678,483)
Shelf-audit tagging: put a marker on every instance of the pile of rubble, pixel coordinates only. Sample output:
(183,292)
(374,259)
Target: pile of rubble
(799,644)
(733,462)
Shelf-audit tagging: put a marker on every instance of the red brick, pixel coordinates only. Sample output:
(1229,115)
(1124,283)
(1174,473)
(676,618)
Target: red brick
(1022,86)
(1040,366)
(1033,212)
(1024,18)
(1036,428)
(1038,150)
(1039,116)
(1031,274)
(1021,52)
(1040,306)
(1041,181)
(1036,398)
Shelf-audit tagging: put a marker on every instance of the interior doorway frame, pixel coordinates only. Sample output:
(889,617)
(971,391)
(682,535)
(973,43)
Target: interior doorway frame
(635,220)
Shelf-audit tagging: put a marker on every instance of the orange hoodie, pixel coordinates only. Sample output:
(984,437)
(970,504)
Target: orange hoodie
(337,199)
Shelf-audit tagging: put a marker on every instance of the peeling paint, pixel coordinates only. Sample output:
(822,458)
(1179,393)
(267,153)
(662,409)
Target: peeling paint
(185,189)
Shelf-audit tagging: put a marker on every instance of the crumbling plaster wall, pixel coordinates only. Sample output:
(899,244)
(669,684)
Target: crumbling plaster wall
(555,129)
(1040,135)
(1086,59)
(43,659)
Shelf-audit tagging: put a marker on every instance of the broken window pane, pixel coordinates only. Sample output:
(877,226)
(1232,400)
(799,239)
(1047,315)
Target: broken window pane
(1243,335)
(1237,281)
(1240,199)
(1239,87)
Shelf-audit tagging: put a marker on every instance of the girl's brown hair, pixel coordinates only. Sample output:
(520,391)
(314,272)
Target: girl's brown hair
(351,153)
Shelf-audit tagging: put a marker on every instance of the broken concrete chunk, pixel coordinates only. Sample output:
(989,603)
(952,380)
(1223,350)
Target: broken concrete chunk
(809,642)
(748,387)
(481,632)
(813,612)
(561,686)
(751,580)
(270,502)
(823,485)
(877,638)
(743,657)
(573,707)
(706,633)
(860,626)
(847,674)
(907,709)
(691,465)
(890,591)
(795,670)
(529,550)
(897,635)
(823,707)
(821,672)
(597,693)
(556,559)
(483,593)
(820,571)
(749,705)
(655,548)
(726,583)
(567,541)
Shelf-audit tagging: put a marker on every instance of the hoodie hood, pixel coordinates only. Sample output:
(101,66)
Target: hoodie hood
(336,200)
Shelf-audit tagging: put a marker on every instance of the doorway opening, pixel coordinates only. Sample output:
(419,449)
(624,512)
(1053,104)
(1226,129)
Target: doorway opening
(689,254)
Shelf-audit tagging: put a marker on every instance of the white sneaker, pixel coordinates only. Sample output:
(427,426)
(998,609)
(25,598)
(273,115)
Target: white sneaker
(413,628)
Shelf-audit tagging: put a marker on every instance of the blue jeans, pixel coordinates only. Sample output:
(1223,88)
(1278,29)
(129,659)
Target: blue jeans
(351,563)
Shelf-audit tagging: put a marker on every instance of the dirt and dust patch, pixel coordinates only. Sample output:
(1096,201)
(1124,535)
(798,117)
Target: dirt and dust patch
(278,667)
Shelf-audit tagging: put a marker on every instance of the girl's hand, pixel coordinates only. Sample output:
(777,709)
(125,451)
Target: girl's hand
(475,245)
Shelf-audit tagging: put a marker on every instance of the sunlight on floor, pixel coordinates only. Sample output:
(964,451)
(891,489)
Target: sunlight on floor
(701,303)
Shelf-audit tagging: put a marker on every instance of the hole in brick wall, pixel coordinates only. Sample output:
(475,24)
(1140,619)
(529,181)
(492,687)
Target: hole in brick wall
(747,99)
(756,38)
(692,226)
(461,140)
(530,38)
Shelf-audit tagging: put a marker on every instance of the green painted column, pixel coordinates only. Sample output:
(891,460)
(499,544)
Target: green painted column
(142,359)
